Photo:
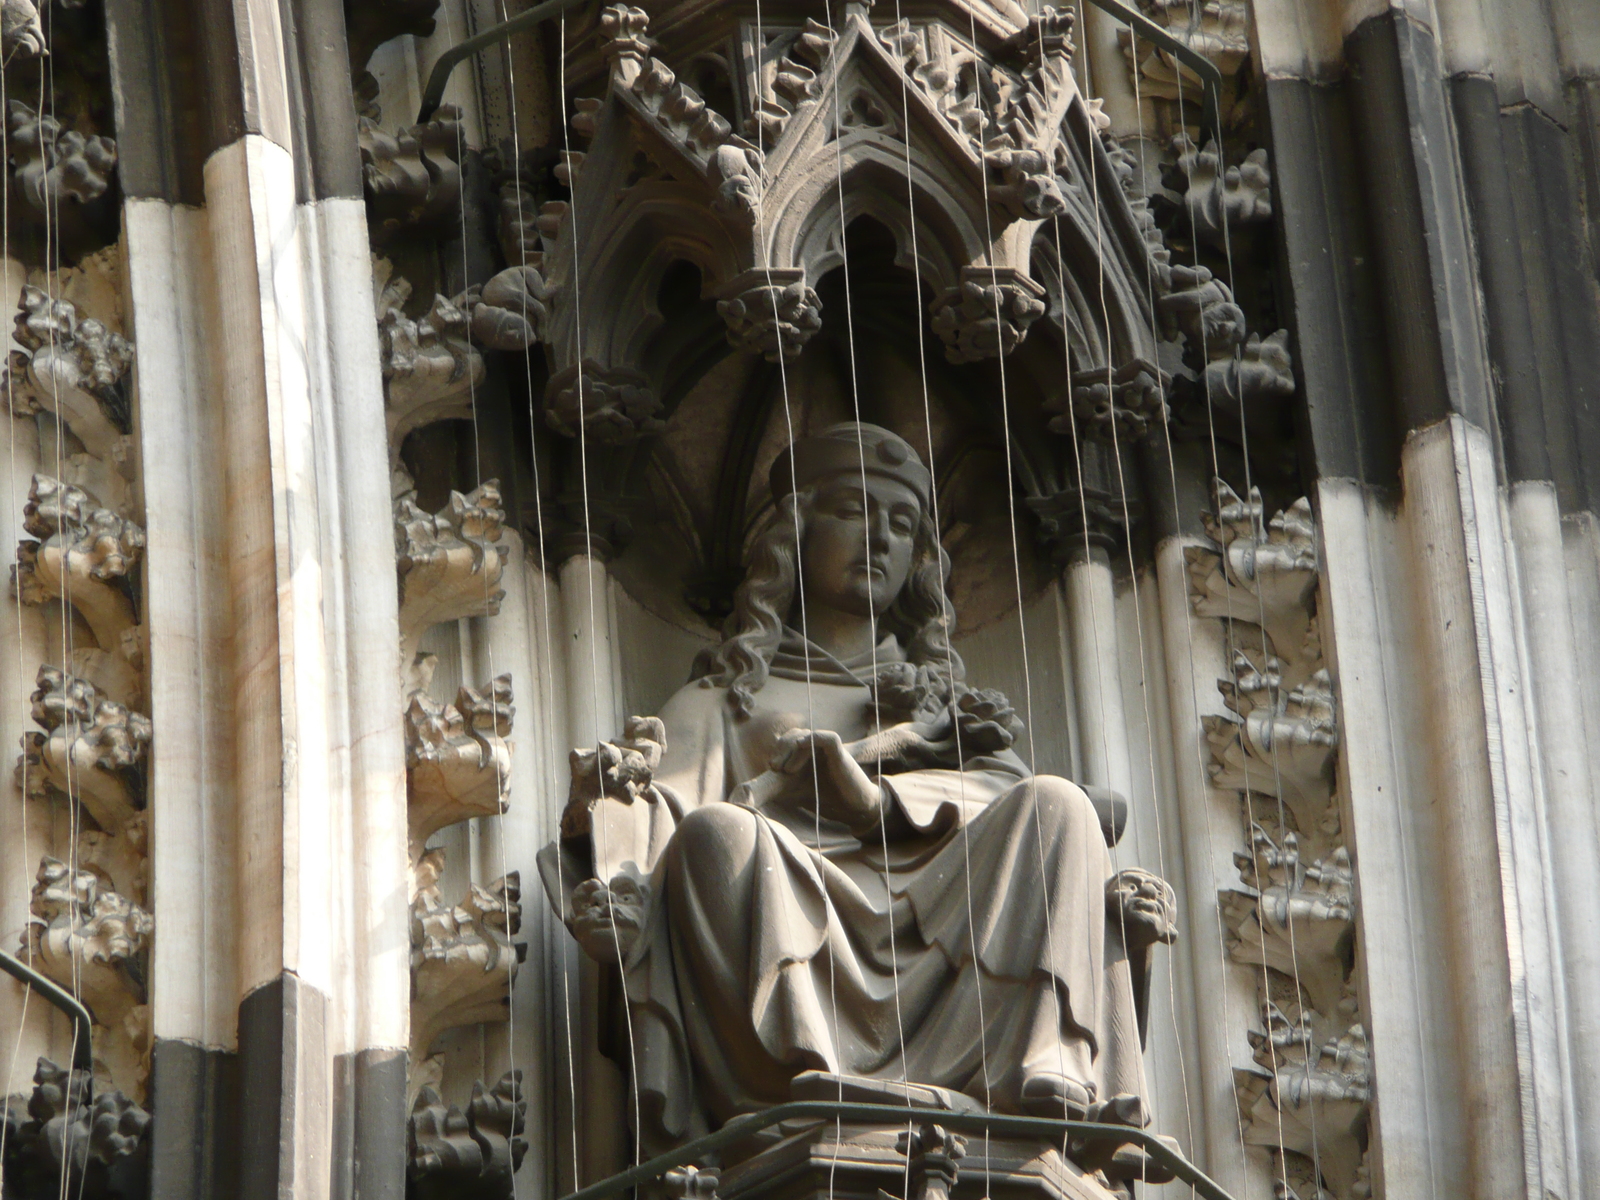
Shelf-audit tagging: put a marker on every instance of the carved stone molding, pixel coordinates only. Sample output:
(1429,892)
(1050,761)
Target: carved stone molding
(449,562)
(1306,1098)
(84,553)
(470,1155)
(91,940)
(71,367)
(988,314)
(53,165)
(58,1137)
(458,765)
(462,956)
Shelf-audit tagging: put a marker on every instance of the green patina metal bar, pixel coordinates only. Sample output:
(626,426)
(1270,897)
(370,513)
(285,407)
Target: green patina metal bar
(742,1127)
(82,1052)
(1210,77)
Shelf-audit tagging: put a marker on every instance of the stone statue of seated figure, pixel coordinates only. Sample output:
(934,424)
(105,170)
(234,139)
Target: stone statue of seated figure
(824,855)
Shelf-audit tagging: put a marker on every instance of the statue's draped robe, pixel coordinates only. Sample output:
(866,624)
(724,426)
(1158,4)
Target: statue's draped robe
(776,942)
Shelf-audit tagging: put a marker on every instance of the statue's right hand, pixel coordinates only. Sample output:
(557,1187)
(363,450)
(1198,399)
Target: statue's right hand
(607,919)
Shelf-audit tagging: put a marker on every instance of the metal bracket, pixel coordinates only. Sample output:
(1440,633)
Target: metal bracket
(54,993)
(1210,77)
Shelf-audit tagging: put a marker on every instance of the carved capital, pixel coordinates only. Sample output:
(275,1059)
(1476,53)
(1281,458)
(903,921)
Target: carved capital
(84,552)
(458,765)
(1120,405)
(476,1152)
(70,367)
(771,312)
(449,561)
(462,956)
(987,314)
(612,406)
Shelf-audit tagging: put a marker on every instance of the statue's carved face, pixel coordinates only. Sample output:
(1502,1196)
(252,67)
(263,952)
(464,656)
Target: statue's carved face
(859,544)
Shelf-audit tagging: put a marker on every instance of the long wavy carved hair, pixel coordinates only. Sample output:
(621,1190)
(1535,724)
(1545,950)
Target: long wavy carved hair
(921,615)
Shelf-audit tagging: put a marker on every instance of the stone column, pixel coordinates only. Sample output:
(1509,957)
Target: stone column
(279,850)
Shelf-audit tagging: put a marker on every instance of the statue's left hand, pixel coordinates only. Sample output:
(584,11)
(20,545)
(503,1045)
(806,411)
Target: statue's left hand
(844,790)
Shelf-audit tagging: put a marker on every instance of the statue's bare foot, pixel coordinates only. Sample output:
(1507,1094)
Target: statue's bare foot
(607,919)
(1144,907)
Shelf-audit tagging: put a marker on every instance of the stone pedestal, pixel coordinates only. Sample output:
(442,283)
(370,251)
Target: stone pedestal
(826,1161)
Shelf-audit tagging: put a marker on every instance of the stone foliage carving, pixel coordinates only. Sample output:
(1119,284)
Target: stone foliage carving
(1217,30)
(413,176)
(52,164)
(1308,1098)
(612,406)
(93,752)
(468,1155)
(83,552)
(71,367)
(987,314)
(58,1137)
(1305,1097)
(92,940)
(776,314)
(462,956)
(458,765)
(430,366)
(449,562)
(1213,197)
